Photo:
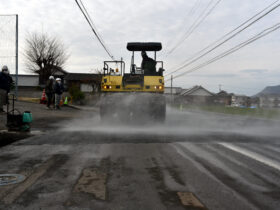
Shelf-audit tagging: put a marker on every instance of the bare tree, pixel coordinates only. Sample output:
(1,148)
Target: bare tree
(44,55)
(98,80)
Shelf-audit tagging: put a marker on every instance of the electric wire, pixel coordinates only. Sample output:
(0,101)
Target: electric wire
(205,13)
(224,36)
(229,38)
(232,50)
(190,13)
(87,17)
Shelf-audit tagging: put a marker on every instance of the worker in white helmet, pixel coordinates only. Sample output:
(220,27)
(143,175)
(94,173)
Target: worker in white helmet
(58,89)
(50,91)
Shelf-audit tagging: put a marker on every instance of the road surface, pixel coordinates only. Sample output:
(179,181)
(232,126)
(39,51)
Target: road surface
(193,161)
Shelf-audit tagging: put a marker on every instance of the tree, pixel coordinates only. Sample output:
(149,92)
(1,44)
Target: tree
(98,80)
(44,55)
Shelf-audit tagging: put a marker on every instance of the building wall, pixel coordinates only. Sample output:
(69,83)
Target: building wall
(195,100)
(86,87)
(269,101)
(240,100)
(27,80)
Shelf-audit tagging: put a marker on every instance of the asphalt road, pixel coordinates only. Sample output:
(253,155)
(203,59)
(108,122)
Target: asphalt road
(193,161)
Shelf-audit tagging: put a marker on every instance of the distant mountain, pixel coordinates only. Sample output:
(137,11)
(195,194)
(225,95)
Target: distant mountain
(269,90)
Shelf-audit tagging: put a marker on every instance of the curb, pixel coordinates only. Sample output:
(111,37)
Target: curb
(95,109)
(72,106)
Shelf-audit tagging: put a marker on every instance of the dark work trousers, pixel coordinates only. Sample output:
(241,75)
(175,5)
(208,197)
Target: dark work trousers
(50,99)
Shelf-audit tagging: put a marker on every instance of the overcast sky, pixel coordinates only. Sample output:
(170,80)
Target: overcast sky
(247,71)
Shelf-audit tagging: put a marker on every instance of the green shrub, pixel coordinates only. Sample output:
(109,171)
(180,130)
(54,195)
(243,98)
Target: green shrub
(38,88)
(76,93)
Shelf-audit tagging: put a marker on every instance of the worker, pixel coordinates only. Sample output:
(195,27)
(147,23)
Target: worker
(58,90)
(6,82)
(50,91)
(148,64)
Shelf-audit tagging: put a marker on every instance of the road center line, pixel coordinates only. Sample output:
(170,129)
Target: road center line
(252,155)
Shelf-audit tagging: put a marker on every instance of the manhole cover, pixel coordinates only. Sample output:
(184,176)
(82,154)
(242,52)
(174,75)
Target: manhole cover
(6,179)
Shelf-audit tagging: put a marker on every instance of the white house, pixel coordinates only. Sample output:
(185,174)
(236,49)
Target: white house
(196,95)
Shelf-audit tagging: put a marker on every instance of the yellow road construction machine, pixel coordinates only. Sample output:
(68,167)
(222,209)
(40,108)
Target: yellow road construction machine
(137,95)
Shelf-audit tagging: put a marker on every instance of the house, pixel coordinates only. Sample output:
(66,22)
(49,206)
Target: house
(26,81)
(223,98)
(28,85)
(269,97)
(87,82)
(255,102)
(269,101)
(54,71)
(196,95)
(240,100)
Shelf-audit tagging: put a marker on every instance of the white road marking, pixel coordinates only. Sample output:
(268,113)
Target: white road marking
(252,155)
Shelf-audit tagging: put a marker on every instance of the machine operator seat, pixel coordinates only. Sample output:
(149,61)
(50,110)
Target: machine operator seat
(149,67)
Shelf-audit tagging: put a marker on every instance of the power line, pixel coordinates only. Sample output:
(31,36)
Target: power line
(89,20)
(190,13)
(229,38)
(232,50)
(190,28)
(224,36)
(205,13)
(195,7)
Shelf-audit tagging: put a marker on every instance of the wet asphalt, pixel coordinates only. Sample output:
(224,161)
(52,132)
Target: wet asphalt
(226,162)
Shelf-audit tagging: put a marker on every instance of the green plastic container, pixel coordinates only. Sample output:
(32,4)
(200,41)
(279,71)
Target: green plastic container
(27,117)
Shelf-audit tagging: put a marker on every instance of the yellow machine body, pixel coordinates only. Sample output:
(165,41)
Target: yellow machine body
(136,96)
(114,83)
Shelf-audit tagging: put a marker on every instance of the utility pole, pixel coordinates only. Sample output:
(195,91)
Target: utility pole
(220,87)
(16,91)
(171,88)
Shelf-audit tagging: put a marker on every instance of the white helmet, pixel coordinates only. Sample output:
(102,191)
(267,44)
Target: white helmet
(58,79)
(5,68)
(51,77)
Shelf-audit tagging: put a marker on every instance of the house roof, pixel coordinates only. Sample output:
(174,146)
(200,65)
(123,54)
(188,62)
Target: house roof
(238,95)
(224,93)
(191,91)
(25,75)
(82,76)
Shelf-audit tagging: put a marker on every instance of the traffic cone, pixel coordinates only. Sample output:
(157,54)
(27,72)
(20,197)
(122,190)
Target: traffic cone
(43,99)
(61,102)
(66,101)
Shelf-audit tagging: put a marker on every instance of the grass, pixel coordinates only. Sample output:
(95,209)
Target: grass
(258,112)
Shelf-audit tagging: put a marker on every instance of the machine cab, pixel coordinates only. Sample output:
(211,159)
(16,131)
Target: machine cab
(148,66)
